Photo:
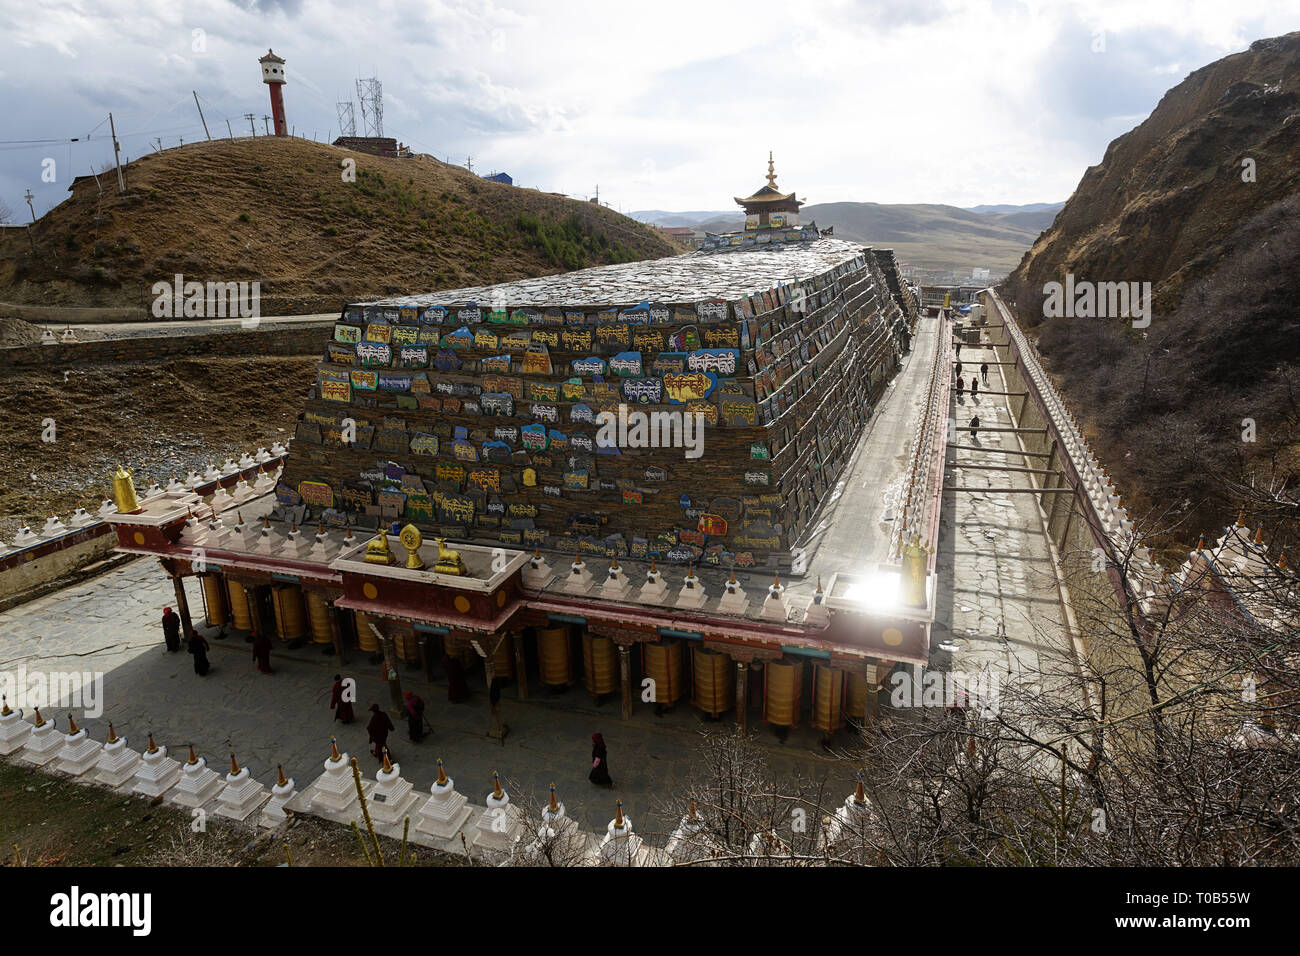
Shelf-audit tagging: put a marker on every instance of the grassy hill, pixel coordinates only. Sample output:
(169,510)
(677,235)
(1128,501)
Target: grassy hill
(923,234)
(1168,205)
(278,210)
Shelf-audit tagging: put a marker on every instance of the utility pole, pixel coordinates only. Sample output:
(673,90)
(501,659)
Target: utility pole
(201,119)
(251,128)
(229,130)
(158,148)
(29,197)
(469,163)
(121,183)
(266,124)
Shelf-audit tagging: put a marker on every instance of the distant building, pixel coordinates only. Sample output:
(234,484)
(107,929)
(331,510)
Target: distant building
(977,274)
(500,178)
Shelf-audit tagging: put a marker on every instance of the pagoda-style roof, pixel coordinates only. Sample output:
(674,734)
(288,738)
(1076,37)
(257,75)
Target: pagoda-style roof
(270,57)
(768,195)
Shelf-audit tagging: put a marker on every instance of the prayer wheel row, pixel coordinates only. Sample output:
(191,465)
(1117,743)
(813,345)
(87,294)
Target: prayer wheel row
(663,663)
(555,656)
(714,690)
(599,664)
(290,622)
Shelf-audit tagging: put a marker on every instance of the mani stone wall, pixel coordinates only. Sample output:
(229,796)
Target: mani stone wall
(475,410)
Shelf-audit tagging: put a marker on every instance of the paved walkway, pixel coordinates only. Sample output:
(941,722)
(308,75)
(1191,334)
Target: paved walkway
(997,601)
(111,624)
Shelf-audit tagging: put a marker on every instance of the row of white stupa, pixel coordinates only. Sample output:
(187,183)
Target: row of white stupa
(243,491)
(498,832)
(68,337)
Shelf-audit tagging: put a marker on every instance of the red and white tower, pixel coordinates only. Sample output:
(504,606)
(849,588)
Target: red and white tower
(273,76)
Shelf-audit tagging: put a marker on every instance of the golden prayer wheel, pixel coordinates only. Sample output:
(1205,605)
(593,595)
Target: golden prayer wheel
(855,707)
(714,688)
(555,659)
(366,639)
(781,685)
(827,698)
(318,614)
(460,649)
(599,664)
(503,658)
(239,605)
(213,599)
(290,622)
(663,665)
(407,646)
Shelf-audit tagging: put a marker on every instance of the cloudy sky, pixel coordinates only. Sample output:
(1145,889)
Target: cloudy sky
(666,105)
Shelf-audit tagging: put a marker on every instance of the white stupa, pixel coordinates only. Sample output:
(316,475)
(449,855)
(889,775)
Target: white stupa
(157,772)
(333,794)
(13,729)
(43,743)
(655,589)
(686,845)
(117,762)
(197,785)
(240,795)
(80,753)
(283,791)
(499,827)
(621,846)
(393,797)
(445,812)
(692,594)
(536,574)
(558,838)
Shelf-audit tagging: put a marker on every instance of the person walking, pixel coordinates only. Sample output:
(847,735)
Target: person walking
(378,729)
(262,652)
(984,372)
(959,352)
(199,648)
(414,716)
(342,708)
(961,386)
(959,369)
(599,763)
(974,426)
(974,386)
(171,622)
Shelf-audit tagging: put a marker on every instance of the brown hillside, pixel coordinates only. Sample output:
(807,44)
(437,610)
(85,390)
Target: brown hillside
(1168,406)
(279,211)
(1168,193)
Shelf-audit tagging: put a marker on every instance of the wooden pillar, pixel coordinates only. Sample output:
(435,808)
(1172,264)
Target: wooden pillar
(254,611)
(335,634)
(390,671)
(521,669)
(426,659)
(625,678)
(182,606)
(498,730)
(742,695)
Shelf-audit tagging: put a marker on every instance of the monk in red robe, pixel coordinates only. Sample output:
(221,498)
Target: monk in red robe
(262,652)
(342,708)
(379,728)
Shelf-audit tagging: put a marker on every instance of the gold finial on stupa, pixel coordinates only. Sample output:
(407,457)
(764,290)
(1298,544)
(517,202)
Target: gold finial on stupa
(334,749)
(442,774)
(72,725)
(860,793)
(194,758)
(554,805)
(280,779)
(6,710)
(39,721)
(619,821)
(234,765)
(112,734)
(388,764)
(496,786)
(153,747)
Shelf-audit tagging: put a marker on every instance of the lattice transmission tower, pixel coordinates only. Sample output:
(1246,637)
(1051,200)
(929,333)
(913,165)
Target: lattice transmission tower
(347,119)
(370,92)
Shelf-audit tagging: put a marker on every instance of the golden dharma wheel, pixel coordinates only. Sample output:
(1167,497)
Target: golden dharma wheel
(318,615)
(290,622)
(781,686)
(554,656)
(664,663)
(828,698)
(503,658)
(366,639)
(213,599)
(239,605)
(714,688)
(855,705)
(599,664)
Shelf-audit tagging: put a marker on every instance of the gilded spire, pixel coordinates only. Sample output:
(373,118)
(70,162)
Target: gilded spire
(619,822)
(280,779)
(334,749)
(112,735)
(72,725)
(496,786)
(40,721)
(554,805)
(194,758)
(442,774)
(234,766)
(860,794)
(771,170)
(153,747)
(388,764)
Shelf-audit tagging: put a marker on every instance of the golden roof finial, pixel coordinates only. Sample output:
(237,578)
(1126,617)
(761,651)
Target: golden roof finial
(194,758)
(6,710)
(771,170)
(442,774)
(39,721)
(388,764)
(72,725)
(334,749)
(554,805)
(280,779)
(496,786)
(1241,518)
(1259,533)
(860,794)
(1200,544)
(112,735)
(234,766)
(619,822)
(153,747)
